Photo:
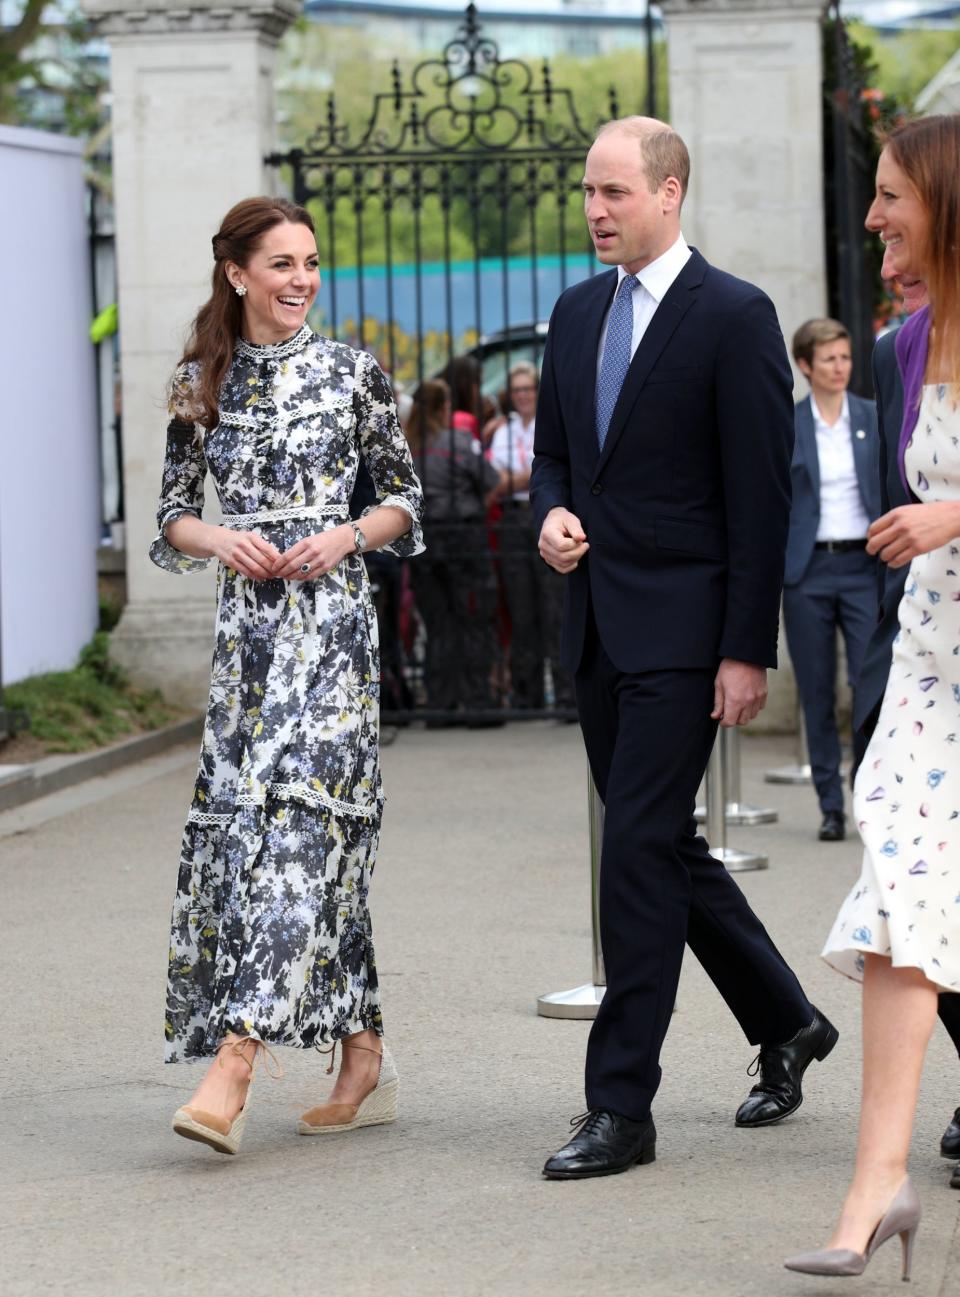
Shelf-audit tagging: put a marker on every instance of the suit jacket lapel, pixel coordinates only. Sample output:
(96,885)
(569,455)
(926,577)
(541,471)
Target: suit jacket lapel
(584,331)
(677,301)
(807,445)
(861,453)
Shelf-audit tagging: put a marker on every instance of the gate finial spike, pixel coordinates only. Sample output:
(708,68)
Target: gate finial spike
(397,82)
(614,105)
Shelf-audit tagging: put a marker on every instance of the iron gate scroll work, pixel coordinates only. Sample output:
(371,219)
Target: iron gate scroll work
(447,233)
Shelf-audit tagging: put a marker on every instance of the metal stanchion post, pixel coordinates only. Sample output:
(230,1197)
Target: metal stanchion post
(732,859)
(801,772)
(737,812)
(582,1001)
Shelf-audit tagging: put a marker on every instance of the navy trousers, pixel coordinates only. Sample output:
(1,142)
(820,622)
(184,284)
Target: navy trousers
(837,592)
(648,737)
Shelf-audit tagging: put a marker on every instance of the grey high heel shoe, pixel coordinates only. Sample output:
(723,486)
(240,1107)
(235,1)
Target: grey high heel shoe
(902,1217)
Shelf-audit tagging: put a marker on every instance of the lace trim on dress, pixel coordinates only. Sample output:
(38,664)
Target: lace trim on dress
(285,513)
(274,350)
(287,791)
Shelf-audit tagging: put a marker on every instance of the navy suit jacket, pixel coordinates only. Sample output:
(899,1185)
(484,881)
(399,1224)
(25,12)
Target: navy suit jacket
(805,479)
(876,660)
(686,508)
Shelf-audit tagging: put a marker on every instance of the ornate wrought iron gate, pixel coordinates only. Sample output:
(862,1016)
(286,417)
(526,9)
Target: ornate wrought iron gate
(447,231)
(850,156)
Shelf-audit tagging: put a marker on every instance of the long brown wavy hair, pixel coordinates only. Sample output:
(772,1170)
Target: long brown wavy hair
(216,327)
(426,420)
(927,151)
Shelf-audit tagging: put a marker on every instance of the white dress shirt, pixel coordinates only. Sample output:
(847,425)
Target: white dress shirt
(842,515)
(655,280)
(512,449)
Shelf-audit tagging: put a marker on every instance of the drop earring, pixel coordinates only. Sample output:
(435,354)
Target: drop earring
(241,290)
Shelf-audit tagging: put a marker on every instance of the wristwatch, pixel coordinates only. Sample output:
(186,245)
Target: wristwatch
(359,538)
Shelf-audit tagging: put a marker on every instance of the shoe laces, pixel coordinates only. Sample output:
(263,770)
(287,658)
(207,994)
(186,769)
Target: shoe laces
(586,1123)
(237,1045)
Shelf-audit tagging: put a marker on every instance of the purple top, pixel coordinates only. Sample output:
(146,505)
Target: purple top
(910,345)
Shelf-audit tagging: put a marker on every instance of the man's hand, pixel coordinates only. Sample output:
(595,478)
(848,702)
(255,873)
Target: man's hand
(913,529)
(563,541)
(739,693)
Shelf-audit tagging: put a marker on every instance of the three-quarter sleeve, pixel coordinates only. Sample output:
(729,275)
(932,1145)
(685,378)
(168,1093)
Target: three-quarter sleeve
(184,470)
(386,454)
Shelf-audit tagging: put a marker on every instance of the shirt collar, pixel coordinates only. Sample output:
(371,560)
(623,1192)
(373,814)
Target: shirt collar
(658,276)
(820,421)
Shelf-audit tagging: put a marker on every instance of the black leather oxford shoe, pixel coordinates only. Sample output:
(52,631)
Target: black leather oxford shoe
(950,1144)
(606,1143)
(781,1067)
(833,828)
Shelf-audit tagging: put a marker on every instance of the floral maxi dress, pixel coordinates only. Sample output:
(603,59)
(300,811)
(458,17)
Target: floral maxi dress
(271,933)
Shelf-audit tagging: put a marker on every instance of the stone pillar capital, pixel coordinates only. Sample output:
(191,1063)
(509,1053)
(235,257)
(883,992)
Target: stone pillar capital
(116,19)
(793,9)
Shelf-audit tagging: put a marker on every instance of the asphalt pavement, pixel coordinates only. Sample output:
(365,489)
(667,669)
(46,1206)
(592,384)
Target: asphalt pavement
(481,902)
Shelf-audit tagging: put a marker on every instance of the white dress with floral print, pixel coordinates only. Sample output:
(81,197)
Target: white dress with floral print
(271,932)
(906,904)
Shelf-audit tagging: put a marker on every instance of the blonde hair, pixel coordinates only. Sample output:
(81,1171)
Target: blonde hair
(662,151)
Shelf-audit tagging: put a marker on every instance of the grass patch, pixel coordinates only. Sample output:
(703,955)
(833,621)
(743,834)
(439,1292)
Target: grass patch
(88,707)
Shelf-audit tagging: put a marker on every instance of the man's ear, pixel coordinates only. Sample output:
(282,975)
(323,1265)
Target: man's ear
(671,195)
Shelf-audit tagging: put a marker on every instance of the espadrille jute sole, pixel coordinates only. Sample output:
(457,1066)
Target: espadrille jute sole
(185,1125)
(379,1108)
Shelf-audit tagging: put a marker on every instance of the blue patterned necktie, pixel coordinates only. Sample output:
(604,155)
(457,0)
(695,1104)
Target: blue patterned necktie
(617,354)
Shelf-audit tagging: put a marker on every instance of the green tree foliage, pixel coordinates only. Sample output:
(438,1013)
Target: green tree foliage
(457,211)
(46,77)
(906,61)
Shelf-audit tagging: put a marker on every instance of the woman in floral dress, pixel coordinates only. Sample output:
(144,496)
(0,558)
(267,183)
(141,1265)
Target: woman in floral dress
(271,937)
(899,928)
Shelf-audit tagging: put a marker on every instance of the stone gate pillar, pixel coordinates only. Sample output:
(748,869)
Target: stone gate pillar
(745,94)
(193,118)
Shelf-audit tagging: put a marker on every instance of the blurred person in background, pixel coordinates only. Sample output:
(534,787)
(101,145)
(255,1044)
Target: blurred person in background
(533,592)
(830,581)
(454,586)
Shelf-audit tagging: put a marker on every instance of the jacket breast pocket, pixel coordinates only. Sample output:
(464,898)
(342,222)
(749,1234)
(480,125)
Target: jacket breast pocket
(690,538)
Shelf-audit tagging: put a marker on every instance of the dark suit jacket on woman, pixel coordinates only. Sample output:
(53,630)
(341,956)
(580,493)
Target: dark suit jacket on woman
(875,668)
(686,508)
(805,479)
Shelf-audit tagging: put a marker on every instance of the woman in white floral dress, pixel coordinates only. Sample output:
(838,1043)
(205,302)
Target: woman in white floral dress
(899,929)
(271,937)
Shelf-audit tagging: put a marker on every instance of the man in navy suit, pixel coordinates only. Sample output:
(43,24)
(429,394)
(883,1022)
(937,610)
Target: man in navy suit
(661,490)
(830,581)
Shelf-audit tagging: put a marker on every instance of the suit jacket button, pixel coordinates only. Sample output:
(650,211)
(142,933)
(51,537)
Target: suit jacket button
(596,490)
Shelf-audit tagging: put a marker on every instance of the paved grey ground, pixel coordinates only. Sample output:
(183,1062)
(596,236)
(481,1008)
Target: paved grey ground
(481,902)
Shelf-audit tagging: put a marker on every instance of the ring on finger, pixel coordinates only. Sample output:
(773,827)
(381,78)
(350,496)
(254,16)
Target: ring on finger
(304,568)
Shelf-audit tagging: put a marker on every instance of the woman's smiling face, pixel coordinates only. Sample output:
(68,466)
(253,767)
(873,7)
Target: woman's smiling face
(282,279)
(899,217)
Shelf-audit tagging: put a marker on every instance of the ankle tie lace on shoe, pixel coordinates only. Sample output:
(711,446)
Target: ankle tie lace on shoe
(235,1045)
(332,1051)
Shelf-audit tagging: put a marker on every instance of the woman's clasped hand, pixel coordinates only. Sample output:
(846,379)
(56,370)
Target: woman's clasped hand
(253,557)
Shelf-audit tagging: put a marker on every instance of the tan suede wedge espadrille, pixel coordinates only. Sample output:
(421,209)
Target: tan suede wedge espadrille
(216,1132)
(378,1108)
(207,1128)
